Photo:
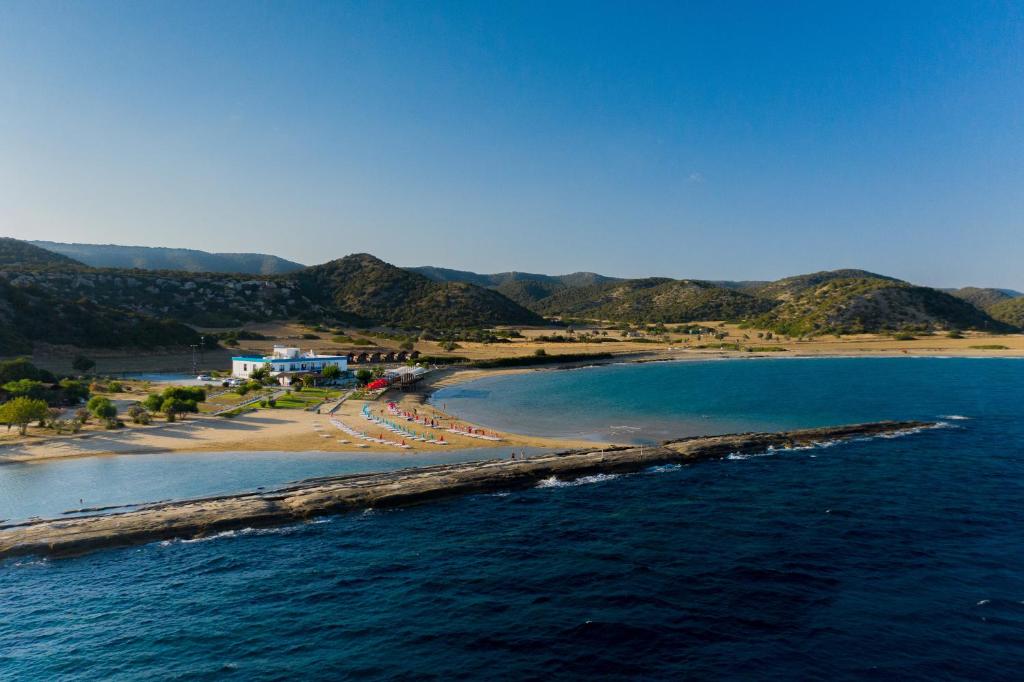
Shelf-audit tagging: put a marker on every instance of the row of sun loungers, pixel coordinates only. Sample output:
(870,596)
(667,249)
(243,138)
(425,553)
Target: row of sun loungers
(402,431)
(469,432)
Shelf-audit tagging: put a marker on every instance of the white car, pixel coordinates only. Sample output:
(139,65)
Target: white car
(204,377)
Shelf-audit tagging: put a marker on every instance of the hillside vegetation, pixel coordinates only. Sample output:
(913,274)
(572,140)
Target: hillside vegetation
(162,258)
(1009,311)
(29,314)
(49,297)
(870,304)
(16,253)
(654,300)
(369,289)
(46,297)
(984,298)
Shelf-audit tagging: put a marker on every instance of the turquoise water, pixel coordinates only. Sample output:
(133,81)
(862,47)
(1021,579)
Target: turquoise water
(886,559)
(655,401)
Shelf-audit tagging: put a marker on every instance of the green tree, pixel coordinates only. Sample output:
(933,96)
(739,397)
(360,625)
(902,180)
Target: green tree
(153,402)
(82,363)
(73,391)
(364,376)
(21,368)
(332,372)
(174,407)
(261,373)
(103,409)
(22,411)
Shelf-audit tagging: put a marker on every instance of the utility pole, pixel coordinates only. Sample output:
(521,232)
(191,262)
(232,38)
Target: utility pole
(195,359)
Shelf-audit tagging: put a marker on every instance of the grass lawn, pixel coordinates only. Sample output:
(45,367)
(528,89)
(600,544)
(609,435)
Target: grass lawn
(306,398)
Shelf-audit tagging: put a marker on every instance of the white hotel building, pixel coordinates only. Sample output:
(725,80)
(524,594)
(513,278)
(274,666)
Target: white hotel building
(286,361)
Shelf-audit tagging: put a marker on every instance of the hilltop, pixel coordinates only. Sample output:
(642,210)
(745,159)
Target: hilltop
(525,288)
(367,288)
(654,300)
(163,258)
(790,287)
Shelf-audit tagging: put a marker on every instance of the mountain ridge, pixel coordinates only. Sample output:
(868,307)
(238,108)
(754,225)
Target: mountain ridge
(169,258)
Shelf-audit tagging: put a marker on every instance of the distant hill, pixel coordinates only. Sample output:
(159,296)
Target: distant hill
(984,298)
(524,288)
(111,307)
(365,286)
(1009,311)
(654,300)
(161,258)
(17,253)
(822,304)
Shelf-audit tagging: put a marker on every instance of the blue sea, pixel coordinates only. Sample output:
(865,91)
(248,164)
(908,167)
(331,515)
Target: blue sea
(892,558)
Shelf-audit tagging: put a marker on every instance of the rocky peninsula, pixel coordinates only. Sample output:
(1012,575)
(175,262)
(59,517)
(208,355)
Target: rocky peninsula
(331,495)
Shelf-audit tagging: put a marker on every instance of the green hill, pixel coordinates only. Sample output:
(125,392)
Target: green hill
(49,298)
(525,288)
(653,300)
(869,304)
(369,289)
(29,314)
(790,287)
(984,298)
(1009,311)
(161,258)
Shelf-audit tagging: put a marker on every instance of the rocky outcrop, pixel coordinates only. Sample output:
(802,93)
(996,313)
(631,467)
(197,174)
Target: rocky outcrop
(331,495)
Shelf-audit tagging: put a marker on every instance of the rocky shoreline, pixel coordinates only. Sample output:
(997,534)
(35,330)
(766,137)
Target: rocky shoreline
(331,495)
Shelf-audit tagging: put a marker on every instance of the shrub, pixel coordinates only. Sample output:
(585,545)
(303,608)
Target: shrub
(139,415)
(103,409)
(173,407)
(73,391)
(194,393)
(540,353)
(153,402)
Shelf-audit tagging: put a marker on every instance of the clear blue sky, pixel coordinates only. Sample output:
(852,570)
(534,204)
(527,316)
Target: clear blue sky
(711,140)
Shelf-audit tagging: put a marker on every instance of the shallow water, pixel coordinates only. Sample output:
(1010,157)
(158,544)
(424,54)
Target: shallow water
(654,401)
(896,558)
(51,487)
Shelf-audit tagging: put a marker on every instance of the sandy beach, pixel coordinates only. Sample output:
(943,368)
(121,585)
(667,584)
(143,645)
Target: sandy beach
(293,430)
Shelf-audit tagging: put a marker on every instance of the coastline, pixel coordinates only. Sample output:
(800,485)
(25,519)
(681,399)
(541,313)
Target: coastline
(308,499)
(300,431)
